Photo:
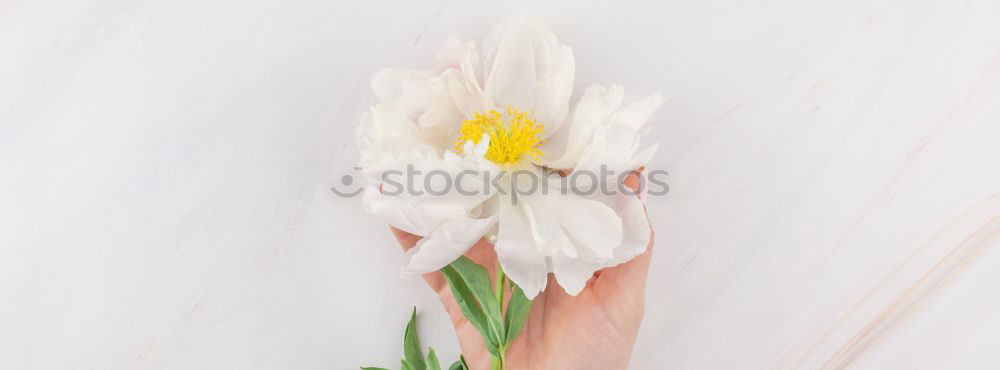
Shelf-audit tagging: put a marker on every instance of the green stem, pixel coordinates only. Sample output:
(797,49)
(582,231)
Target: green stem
(501,362)
(501,279)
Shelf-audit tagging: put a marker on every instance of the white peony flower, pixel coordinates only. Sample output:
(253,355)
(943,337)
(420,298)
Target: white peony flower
(505,107)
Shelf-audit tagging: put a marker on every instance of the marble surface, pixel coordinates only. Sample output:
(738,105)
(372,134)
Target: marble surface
(165,169)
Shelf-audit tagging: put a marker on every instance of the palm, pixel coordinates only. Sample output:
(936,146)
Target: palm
(594,330)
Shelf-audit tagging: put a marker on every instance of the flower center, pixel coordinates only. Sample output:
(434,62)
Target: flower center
(512,136)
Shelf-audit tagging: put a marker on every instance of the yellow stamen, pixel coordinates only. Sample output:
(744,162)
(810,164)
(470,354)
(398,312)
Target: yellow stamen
(512,136)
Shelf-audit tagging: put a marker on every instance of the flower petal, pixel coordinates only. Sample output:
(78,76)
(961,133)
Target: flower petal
(420,218)
(572,273)
(425,99)
(589,224)
(546,230)
(464,87)
(477,150)
(635,226)
(418,192)
(603,131)
(636,230)
(449,241)
(593,111)
(526,67)
(450,54)
(384,137)
(517,252)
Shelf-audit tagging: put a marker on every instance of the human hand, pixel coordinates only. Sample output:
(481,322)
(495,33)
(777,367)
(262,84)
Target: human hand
(594,330)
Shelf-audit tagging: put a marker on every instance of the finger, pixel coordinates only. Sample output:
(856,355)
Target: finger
(482,253)
(405,239)
(625,284)
(534,328)
(632,273)
(632,181)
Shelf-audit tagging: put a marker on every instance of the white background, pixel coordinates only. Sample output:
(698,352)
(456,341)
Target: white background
(165,169)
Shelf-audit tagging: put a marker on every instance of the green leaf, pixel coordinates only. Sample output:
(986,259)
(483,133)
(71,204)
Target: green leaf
(412,352)
(460,364)
(432,360)
(478,279)
(405,365)
(518,308)
(466,279)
